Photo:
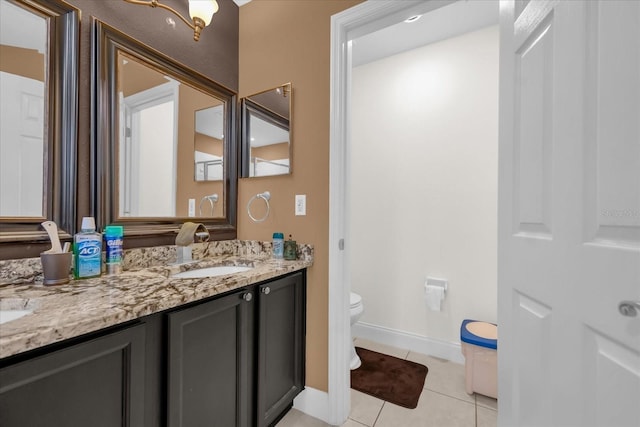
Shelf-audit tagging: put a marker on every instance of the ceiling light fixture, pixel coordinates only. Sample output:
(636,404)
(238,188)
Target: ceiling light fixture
(413,18)
(201,12)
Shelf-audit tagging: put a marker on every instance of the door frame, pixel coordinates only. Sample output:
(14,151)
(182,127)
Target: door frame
(352,23)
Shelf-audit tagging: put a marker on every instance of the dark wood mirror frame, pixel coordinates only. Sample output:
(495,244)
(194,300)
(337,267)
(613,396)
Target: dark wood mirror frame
(248,108)
(61,129)
(106,43)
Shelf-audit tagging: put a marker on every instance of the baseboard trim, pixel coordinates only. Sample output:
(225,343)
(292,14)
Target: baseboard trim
(434,347)
(313,402)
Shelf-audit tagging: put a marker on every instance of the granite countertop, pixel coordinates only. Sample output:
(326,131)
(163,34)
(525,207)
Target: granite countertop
(88,305)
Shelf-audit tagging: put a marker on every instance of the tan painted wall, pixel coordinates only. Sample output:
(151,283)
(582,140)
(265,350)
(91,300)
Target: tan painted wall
(134,76)
(272,152)
(285,41)
(22,62)
(208,144)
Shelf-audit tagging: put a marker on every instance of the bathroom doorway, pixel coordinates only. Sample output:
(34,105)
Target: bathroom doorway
(569,333)
(423,170)
(362,20)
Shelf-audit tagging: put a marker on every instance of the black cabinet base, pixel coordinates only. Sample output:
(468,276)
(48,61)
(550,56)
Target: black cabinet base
(233,360)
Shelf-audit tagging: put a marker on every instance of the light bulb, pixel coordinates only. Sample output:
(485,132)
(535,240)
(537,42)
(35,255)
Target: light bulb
(203,9)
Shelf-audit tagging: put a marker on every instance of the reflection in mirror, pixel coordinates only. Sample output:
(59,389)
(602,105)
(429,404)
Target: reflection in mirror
(23,48)
(166,148)
(209,145)
(38,115)
(266,132)
(155,111)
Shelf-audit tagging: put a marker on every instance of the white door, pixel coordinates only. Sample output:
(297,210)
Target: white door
(569,213)
(148,152)
(22,125)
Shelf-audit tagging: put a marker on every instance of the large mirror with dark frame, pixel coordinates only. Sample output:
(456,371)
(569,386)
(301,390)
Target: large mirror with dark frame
(266,132)
(164,137)
(38,117)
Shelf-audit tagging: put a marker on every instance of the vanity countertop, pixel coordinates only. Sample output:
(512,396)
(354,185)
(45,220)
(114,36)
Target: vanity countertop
(88,305)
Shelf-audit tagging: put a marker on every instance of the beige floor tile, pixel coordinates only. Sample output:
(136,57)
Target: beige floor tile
(295,418)
(487,417)
(381,348)
(433,410)
(364,408)
(487,402)
(444,376)
(352,423)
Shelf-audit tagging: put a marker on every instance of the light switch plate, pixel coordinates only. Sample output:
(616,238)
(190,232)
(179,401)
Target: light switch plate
(192,208)
(301,204)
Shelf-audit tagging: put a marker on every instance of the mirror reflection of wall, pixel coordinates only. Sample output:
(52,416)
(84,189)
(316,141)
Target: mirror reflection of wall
(209,144)
(23,50)
(166,125)
(266,133)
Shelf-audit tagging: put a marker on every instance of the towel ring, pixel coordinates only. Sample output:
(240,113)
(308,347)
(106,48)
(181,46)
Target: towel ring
(212,201)
(264,196)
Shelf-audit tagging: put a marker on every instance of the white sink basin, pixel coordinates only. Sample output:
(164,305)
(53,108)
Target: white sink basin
(9,315)
(222,270)
(15,308)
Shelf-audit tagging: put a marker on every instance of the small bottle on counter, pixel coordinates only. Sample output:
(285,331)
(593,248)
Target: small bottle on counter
(290,249)
(278,245)
(113,235)
(87,250)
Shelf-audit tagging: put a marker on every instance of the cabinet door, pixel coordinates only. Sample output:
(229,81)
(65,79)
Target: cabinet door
(96,383)
(281,345)
(208,380)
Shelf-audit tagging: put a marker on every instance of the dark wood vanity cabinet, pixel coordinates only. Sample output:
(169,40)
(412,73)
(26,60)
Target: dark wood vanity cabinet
(233,360)
(280,346)
(99,382)
(208,374)
(237,360)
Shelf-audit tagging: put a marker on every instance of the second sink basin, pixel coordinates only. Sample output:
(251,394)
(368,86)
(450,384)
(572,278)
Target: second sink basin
(9,315)
(14,308)
(221,270)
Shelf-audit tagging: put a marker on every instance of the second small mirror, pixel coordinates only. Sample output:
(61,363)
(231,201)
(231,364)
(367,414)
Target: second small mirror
(266,132)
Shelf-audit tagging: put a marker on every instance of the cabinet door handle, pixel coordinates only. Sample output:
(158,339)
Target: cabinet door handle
(247,297)
(266,290)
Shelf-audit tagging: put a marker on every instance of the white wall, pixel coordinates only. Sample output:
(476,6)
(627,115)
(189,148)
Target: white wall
(424,184)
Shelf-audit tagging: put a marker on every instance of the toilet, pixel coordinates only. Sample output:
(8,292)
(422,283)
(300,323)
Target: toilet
(355,311)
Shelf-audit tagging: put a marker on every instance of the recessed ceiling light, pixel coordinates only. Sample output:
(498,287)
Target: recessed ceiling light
(414,18)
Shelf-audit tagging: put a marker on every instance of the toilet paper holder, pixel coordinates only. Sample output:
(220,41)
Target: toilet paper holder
(438,282)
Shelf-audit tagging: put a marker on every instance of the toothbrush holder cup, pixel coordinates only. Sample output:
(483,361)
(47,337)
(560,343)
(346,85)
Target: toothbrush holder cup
(56,267)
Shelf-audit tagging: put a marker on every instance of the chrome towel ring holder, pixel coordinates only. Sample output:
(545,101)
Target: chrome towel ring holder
(266,196)
(212,202)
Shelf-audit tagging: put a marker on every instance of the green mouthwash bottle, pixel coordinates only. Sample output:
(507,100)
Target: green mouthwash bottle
(87,250)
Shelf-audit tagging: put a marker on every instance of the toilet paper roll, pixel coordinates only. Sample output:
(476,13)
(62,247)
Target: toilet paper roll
(434,295)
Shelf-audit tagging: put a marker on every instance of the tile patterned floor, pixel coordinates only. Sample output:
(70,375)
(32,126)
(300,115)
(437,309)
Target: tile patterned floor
(443,402)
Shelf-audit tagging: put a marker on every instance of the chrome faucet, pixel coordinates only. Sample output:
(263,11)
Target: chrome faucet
(189,233)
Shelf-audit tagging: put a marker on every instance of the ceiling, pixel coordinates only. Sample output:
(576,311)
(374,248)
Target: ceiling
(449,21)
